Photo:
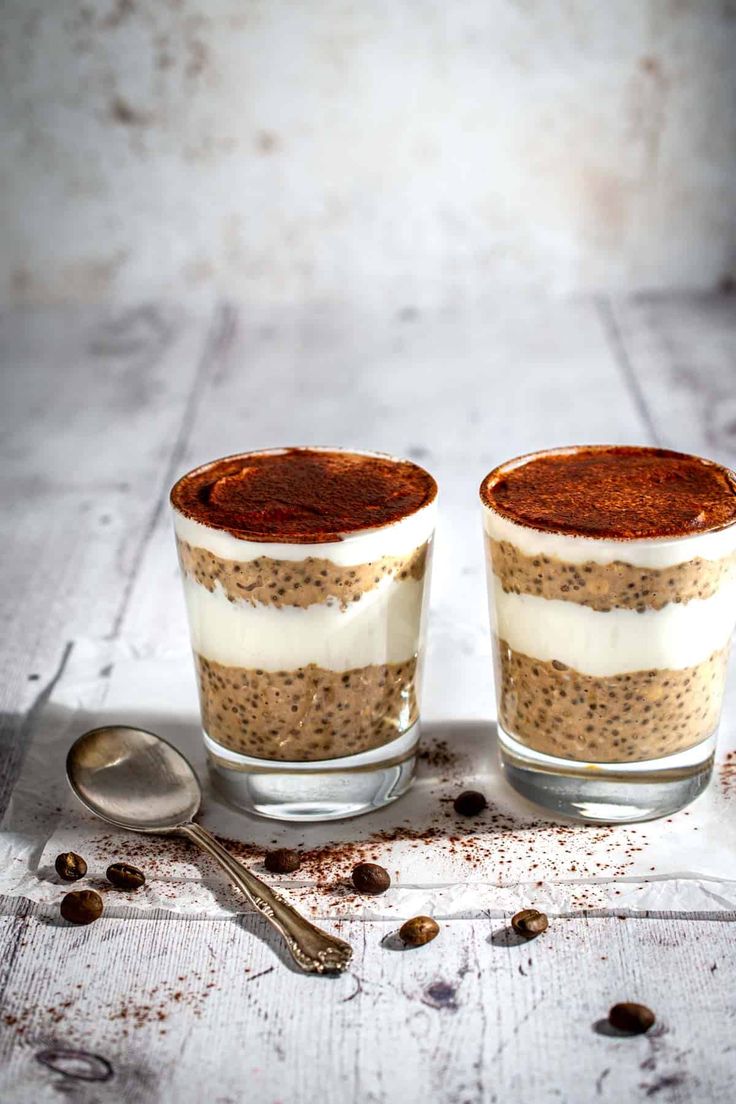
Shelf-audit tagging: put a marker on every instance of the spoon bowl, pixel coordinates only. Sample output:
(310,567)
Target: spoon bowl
(138,781)
(133,778)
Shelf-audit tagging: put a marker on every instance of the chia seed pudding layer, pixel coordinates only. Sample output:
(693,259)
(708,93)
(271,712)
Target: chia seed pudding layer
(295,582)
(309,713)
(623,718)
(604,587)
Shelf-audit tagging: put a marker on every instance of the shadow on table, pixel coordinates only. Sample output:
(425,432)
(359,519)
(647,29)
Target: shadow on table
(507,937)
(454,756)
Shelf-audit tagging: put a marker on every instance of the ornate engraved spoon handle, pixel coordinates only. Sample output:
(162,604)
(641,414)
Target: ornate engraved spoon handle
(314,950)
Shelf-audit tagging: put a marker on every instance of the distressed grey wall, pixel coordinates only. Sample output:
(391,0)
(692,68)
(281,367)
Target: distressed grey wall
(283,151)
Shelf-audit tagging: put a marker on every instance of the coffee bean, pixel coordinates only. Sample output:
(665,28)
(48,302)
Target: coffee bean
(530,923)
(282,861)
(630,1017)
(82,906)
(470,803)
(124,876)
(70,866)
(370,878)
(418,931)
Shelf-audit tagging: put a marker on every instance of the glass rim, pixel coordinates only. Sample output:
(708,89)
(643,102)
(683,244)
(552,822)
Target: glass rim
(353,534)
(566,450)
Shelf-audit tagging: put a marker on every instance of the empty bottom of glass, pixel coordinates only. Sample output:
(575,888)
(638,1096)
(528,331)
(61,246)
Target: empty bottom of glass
(607,793)
(311,791)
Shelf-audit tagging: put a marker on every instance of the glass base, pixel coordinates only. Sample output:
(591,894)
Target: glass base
(607,793)
(327,789)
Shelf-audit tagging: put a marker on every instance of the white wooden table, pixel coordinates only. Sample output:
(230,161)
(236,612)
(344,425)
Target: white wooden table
(101,409)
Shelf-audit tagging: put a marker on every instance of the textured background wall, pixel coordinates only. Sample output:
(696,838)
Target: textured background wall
(427,149)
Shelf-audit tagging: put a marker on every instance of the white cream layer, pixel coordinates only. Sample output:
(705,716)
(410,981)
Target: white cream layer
(617,642)
(640,553)
(365,546)
(384,626)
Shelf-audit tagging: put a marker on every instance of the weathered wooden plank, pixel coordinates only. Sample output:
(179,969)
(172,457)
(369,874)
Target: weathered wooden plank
(186,1011)
(682,353)
(93,404)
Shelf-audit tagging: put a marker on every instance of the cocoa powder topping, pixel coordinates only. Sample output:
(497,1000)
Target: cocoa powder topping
(614,492)
(301,495)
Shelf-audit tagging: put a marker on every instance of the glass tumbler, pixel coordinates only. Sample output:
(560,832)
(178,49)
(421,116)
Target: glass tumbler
(610,654)
(308,652)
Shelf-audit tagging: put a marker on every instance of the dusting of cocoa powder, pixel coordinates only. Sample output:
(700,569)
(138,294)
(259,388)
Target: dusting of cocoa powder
(613,491)
(302,495)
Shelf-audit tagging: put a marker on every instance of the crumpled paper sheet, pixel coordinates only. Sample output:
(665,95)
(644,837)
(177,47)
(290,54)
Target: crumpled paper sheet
(441,864)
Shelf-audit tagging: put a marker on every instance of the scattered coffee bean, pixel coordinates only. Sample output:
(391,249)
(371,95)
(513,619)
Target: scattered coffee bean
(530,923)
(282,861)
(370,878)
(634,1018)
(418,931)
(124,876)
(69,866)
(82,906)
(470,803)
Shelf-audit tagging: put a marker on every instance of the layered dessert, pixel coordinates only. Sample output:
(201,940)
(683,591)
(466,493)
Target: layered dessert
(305,576)
(612,586)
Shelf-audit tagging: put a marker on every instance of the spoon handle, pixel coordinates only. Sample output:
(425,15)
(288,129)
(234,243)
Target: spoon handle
(314,950)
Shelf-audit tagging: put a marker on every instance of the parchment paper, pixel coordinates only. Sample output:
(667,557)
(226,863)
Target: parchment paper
(510,857)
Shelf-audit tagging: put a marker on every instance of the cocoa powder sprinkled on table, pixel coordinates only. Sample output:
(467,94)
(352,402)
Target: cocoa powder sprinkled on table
(437,754)
(505,847)
(149,1007)
(499,842)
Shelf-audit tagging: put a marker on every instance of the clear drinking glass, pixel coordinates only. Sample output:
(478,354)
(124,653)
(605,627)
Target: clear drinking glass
(610,654)
(308,655)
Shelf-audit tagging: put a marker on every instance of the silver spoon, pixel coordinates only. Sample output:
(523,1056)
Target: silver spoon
(138,781)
